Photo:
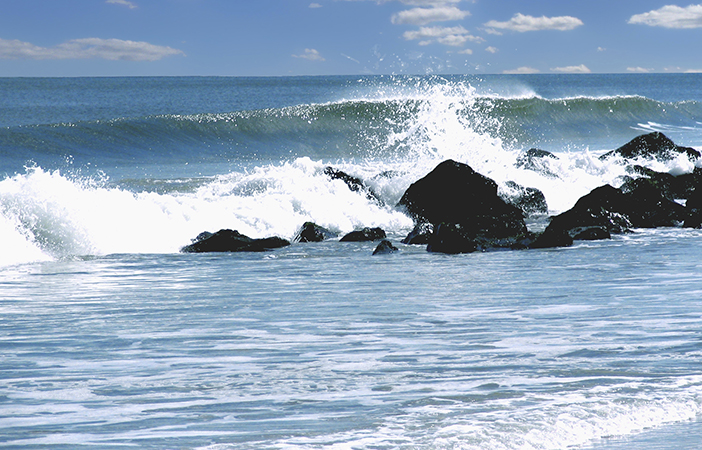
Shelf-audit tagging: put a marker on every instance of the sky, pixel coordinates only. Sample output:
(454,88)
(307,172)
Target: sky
(347,37)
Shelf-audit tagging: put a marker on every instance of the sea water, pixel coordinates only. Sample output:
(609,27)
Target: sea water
(111,338)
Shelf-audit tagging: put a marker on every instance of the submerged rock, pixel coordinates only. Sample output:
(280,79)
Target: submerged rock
(311,232)
(364,235)
(654,145)
(385,248)
(231,241)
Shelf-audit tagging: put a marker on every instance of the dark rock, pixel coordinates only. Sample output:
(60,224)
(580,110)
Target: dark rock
(231,241)
(365,234)
(650,206)
(591,234)
(652,145)
(385,248)
(608,210)
(452,238)
(354,183)
(454,193)
(605,207)
(694,210)
(528,200)
(552,237)
(536,160)
(311,232)
(420,234)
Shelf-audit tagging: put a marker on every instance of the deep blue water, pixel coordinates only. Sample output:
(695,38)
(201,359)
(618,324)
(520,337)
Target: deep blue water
(109,337)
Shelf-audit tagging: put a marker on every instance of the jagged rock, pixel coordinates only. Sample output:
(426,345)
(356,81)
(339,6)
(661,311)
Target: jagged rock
(528,200)
(608,210)
(605,207)
(311,232)
(420,234)
(536,160)
(652,145)
(365,234)
(354,183)
(454,193)
(384,248)
(231,241)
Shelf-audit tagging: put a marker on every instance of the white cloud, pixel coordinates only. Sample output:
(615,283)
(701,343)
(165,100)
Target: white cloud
(129,5)
(638,70)
(453,36)
(582,68)
(310,55)
(492,50)
(522,23)
(693,71)
(423,16)
(601,49)
(315,5)
(111,49)
(522,70)
(671,16)
(466,51)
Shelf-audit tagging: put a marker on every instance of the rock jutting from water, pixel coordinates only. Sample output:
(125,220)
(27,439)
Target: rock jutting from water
(365,235)
(311,232)
(231,241)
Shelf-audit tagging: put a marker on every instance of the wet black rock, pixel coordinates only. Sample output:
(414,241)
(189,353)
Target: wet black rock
(453,193)
(231,241)
(420,234)
(311,232)
(385,248)
(364,235)
(654,145)
(529,200)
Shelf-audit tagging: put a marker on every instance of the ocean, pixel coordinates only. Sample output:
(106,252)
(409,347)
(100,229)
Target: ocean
(111,338)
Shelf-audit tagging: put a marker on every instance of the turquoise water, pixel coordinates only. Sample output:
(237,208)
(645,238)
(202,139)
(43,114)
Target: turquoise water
(110,338)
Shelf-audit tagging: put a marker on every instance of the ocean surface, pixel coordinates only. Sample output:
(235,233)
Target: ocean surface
(110,338)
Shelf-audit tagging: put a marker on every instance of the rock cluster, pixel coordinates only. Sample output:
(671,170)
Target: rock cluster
(457,210)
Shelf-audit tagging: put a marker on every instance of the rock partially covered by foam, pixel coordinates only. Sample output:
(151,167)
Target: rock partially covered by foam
(654,145)
(537,160)
(231,241)
(529,200)
(311,232)
(355,184)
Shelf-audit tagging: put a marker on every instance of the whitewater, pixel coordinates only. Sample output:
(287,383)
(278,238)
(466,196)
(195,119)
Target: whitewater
(111,337)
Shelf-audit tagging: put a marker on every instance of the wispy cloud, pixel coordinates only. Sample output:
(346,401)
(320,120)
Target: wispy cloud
(423,16)
(310,55)
(522,70)
(315,5)
(110,49)
(638,70)
(522,23)
(582,68)
(671,16)
(492,50)
(129,5)
(454,36)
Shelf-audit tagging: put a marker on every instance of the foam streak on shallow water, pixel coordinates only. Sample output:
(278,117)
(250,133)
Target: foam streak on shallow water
(516,350)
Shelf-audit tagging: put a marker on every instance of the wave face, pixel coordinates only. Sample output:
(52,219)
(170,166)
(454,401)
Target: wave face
(84,187)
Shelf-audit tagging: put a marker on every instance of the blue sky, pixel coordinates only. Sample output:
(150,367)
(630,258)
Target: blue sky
(335,37)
